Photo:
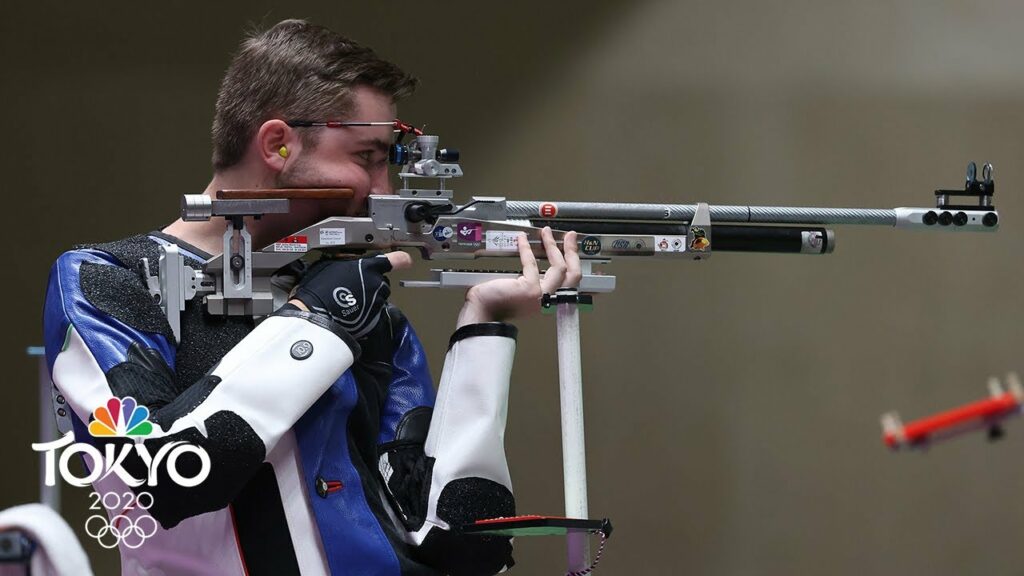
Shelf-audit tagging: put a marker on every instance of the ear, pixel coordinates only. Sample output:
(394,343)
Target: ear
(270,138)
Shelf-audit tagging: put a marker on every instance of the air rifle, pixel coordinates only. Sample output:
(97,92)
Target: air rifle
(426,217)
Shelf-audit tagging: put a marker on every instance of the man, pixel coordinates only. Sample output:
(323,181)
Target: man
(331,461)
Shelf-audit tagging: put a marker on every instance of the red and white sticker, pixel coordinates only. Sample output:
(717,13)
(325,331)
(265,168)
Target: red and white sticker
(548,210)
(292,244)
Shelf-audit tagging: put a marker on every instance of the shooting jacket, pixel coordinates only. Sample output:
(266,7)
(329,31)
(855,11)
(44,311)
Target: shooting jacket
(328,456)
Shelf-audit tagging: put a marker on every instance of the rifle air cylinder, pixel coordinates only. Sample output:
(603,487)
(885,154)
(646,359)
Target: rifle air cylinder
(725,237)
(777,239)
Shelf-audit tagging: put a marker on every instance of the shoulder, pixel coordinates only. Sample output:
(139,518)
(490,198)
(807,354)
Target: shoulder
(127,252)
(124,253)
(104,278)
(89,268)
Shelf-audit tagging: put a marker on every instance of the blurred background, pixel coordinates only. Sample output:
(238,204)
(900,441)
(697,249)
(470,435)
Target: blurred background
(732,405)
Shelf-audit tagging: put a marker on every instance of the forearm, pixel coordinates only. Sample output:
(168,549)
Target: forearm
(469,478)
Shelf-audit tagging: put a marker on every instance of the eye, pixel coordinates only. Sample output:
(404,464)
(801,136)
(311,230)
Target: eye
(372,159)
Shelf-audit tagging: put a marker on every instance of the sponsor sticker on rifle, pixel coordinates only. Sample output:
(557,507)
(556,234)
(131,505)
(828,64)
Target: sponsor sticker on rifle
(292,244)
(630,244)
(332,236)
(591,245)
(443,233)
(670,243)
(502,241)
(700,242)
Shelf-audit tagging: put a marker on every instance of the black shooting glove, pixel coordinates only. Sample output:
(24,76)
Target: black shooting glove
(352,292)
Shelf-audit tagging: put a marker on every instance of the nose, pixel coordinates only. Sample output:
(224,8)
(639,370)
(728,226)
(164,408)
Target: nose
(380,182)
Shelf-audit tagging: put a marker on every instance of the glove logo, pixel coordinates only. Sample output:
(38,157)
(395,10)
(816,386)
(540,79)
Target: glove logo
(346,300)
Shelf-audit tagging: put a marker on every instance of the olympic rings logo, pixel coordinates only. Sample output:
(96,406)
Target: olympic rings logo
(122,529)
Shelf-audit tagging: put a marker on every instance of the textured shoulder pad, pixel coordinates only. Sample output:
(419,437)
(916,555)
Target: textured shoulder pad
(119,292)
(129,251)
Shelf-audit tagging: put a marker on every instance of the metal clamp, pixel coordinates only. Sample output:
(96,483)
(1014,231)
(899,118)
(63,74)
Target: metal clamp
(174,284)
(548,302)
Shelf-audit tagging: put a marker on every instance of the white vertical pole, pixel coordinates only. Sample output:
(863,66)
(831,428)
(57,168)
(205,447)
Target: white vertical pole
(574,459)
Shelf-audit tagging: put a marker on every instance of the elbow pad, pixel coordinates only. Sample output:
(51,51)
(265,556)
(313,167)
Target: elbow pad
(273,375)
(237,413)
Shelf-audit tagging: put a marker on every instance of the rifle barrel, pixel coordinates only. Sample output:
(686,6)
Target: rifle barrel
(685,212)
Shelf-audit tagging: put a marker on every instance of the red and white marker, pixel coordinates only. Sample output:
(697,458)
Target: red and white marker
(987,413)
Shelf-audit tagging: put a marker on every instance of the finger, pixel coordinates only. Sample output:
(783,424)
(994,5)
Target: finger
(380,264)
(526,257)
(399,260)
(573,268)
(556,271)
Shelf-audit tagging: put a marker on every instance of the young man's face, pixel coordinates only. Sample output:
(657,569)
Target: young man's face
(353,157)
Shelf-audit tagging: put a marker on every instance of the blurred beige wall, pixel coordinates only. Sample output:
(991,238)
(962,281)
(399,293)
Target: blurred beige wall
(732,405)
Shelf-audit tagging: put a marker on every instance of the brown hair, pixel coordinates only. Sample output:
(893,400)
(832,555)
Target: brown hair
(296,71)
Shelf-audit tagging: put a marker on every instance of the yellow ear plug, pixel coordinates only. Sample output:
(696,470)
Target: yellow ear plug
(283,151)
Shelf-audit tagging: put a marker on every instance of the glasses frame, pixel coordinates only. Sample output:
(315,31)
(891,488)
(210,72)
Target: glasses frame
(401,128)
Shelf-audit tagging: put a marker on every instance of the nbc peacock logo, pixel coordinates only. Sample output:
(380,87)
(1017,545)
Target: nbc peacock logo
(121,417)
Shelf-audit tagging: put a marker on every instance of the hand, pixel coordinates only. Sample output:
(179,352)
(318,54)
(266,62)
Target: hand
(352,292)
(504,299)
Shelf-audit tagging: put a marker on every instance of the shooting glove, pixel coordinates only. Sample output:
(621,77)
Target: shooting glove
(353,292)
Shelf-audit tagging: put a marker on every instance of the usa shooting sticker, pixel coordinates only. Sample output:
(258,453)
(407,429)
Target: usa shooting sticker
(443,233)
(591,245)
(628,244)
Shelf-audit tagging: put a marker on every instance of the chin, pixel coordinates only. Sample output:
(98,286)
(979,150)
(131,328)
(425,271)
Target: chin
(317,210)
(358,212)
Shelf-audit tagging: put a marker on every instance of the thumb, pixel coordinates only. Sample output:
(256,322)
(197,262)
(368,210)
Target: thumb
(399,260)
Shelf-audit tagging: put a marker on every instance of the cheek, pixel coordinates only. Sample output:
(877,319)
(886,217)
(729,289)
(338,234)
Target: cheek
(351,177)
(316,175)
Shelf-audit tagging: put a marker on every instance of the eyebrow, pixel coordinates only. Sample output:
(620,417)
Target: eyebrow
(380,145)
